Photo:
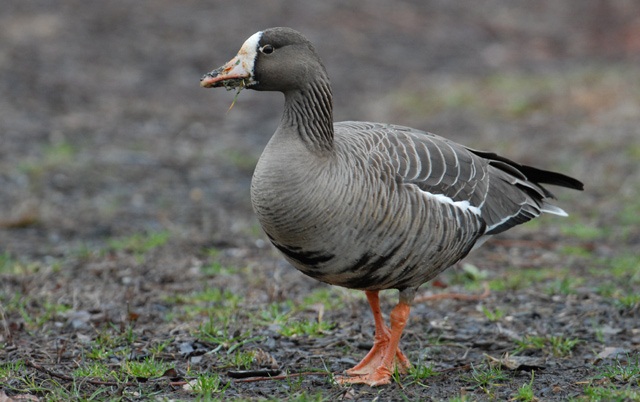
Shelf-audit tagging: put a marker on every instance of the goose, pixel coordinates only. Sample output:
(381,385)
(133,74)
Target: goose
(371,206)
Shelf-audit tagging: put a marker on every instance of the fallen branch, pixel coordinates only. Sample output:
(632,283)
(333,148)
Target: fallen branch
(310,373)
(282,377)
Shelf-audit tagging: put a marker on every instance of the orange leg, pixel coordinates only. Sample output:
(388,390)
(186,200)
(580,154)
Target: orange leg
(385,356)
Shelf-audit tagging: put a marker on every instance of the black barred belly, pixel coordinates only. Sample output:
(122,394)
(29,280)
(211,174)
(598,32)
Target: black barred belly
(368,272)
(372,271)
(310,259)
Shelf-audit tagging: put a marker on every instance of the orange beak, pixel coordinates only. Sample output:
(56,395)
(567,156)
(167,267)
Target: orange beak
(231,75)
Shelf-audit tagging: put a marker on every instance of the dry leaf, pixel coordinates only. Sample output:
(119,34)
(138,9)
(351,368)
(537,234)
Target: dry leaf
(15,398)
(520,362)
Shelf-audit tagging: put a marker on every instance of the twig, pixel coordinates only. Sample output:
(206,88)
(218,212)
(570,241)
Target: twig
(38,367)
(455,296)
(253,373)
(282,377)
(8,336)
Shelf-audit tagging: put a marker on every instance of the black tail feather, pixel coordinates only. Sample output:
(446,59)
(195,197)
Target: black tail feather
(534,174)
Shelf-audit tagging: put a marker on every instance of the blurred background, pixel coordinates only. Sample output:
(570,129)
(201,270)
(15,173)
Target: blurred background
(126,222)
(104,130)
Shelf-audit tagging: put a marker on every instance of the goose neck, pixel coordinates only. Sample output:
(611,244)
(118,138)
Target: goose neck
(309,112)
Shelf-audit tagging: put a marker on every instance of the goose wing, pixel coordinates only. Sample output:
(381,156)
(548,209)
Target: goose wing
(501,191)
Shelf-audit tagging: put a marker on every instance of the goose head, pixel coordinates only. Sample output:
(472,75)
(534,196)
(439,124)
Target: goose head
(276,59)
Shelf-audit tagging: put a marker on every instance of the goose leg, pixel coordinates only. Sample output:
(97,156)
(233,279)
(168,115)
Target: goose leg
(381,339)
(385,356)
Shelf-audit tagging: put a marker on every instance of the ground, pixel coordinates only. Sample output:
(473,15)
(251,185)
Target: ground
(132,267)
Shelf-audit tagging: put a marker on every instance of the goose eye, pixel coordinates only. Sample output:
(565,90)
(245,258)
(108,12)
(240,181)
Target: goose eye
(267,49)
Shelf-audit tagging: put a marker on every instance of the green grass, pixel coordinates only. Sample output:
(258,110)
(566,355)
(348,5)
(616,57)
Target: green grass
(629,302)
(626,266)
(99,352)
(486,377)
(287,319)
(59,153)
(330,297)
(216,268)
(207,385)
(564,286)
(521,278)
(461,398)
(619,279)
(597,393)
(305,327)
(515,95)
(420,373)
(34,311)
(158,348)
(627,372)
(220,305)
(111,341)
(628,219)
(216,296)
(584,231)
(242,360)
(274,313)
(219,334)
(97,370)
(494,315)
(140,243)
(11,266)
(558,346)
(146,368)
(53,156)
(526,391)
(561,346)
(579,250)
(10,370)
(6,263)
(469,276)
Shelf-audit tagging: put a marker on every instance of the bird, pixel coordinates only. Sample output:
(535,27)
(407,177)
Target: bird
(371,206)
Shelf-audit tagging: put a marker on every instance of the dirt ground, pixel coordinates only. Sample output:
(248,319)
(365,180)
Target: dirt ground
(106,137)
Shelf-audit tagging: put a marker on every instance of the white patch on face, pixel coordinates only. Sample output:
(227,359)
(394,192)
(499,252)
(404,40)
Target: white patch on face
(250,46)
(246,57)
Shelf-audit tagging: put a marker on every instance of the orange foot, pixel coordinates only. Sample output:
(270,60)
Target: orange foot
(372,370)
(384,357)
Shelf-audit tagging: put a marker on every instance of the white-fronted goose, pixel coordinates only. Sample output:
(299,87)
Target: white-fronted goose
(371,206)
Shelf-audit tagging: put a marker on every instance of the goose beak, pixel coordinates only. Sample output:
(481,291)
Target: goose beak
(231,75)
(238,72)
